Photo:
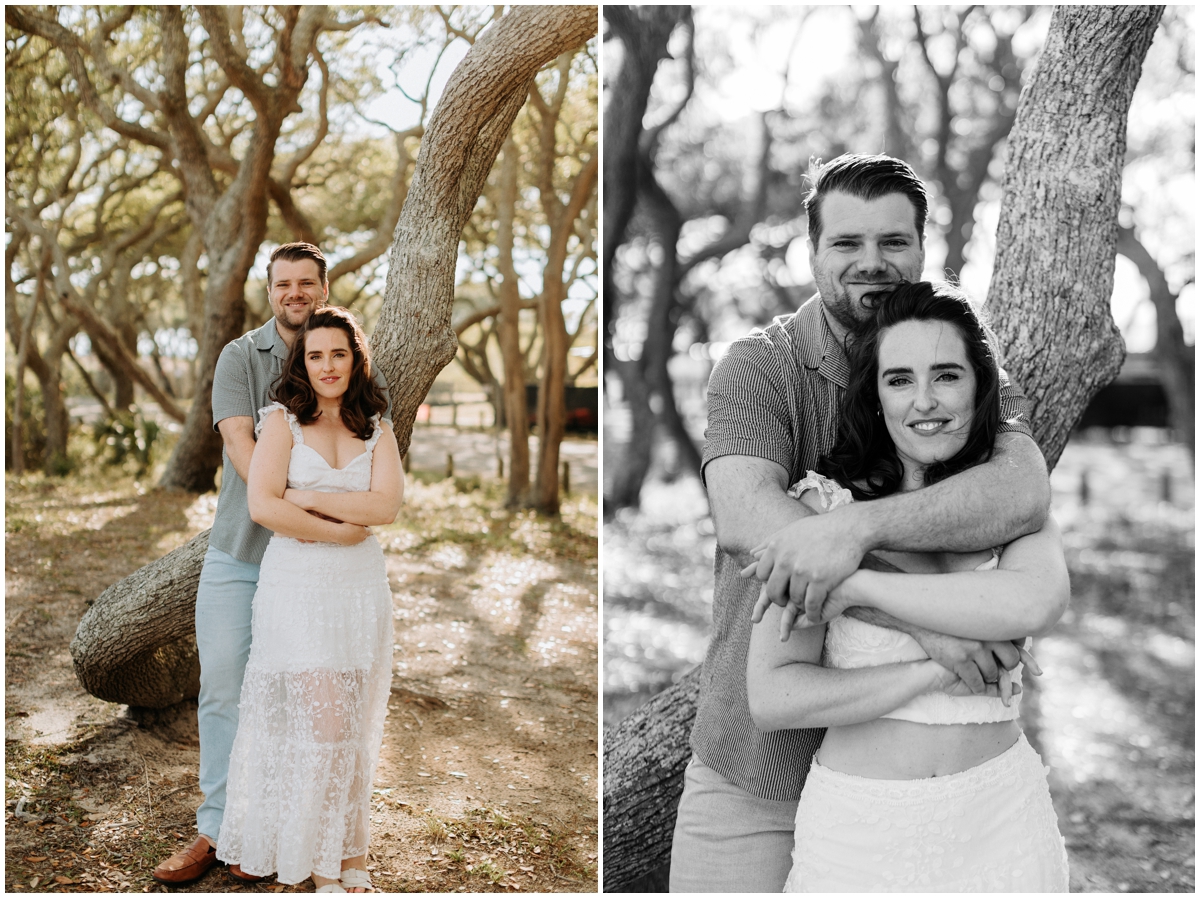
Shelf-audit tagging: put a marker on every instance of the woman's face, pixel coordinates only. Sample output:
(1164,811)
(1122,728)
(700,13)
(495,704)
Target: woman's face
(329,361)
(926,391)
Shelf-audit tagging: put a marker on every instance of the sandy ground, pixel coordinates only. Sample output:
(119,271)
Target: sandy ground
(488,774)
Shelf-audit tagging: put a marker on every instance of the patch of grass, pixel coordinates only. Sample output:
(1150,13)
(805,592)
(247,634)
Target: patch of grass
(435,828)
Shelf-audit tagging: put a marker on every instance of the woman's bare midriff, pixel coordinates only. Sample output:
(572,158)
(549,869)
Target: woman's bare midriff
(902,750)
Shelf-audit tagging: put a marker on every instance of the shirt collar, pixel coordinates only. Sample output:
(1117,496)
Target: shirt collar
(270,341)
(819,347)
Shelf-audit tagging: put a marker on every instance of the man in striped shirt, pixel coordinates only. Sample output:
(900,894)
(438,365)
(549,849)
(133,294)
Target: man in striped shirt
(773,403)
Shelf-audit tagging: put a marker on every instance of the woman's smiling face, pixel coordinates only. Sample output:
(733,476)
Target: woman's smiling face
(926,392)
(329,360)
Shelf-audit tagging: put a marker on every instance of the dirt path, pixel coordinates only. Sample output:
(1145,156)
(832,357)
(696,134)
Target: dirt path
(488,775)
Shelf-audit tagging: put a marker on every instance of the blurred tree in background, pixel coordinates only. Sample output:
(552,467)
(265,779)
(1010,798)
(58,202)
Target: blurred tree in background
(740,102)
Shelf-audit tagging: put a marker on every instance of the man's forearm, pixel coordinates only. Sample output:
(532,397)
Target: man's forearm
(987,505)
(749,504)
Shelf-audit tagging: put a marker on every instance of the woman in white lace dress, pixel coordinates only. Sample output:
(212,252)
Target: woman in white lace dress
(316,687)
(919,785)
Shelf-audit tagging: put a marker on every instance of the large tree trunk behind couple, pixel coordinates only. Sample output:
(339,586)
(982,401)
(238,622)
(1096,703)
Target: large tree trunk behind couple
(136,644)
(1049,302)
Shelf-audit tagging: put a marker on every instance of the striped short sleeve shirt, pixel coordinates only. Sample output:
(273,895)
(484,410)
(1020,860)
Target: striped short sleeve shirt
(775,395)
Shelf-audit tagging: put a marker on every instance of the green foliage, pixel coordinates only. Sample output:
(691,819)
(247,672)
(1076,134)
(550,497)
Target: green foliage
(126,440)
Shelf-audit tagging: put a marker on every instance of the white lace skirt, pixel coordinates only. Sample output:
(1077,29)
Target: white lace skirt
(988,829)
(311,713)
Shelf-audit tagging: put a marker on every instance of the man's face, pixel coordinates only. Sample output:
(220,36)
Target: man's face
(864,246)
(296,292)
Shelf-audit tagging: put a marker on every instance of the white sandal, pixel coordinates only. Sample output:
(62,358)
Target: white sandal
(354,878)
(331,887)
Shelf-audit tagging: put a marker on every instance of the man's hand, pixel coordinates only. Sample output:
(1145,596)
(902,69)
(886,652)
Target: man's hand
(804,561)
(977,664)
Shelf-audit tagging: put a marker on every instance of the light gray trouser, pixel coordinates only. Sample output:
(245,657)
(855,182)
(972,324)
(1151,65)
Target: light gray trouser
(727,840)
(224,600)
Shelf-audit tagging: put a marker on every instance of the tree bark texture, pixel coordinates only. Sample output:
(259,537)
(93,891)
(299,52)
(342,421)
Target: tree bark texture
(643,779)
(1057,237)
(414,338)
(1050,304)
(137,643)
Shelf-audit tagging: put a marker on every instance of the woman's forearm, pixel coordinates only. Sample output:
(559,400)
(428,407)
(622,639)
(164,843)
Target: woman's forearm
(286,519)
(365,508)
(984,605)
(803,695)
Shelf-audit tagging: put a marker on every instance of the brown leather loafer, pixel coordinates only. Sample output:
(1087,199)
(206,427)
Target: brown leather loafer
(187,865)
(235,870)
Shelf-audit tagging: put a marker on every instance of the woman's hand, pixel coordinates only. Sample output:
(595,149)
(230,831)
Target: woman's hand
(351,534)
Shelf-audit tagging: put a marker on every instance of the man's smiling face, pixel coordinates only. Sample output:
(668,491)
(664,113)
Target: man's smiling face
(864,246)
(296,292)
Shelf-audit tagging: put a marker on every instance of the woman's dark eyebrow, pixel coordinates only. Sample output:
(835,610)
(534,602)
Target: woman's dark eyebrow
(941,366)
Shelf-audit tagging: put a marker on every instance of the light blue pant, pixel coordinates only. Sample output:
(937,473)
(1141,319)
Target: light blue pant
(224,601)
(727,840)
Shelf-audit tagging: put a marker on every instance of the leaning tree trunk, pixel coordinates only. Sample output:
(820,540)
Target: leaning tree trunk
(643,777)
(414,338)
(137,643)
(1057,238)
(1050,302)
(145,623)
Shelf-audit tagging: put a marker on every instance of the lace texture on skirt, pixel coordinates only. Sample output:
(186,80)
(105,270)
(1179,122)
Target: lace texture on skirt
(312,708)
(988,829)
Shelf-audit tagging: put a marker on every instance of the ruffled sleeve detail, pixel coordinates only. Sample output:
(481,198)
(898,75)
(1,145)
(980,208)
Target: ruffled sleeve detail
(293,424)
(377,423)
(831,493)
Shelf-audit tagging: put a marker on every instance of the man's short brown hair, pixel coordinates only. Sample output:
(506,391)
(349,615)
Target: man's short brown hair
(295,252)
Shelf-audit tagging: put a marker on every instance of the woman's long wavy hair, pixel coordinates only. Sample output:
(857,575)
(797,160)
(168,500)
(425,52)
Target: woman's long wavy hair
(363,397)
(863,458)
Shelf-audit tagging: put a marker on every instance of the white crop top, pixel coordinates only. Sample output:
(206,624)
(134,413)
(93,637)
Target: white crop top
(854,643)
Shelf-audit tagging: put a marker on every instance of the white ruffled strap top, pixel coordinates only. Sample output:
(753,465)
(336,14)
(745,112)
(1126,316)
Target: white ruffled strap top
(308,469)
(851,643)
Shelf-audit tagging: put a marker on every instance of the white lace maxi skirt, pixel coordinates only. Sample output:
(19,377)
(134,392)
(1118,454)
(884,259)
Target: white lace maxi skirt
(311,713)
(988,829)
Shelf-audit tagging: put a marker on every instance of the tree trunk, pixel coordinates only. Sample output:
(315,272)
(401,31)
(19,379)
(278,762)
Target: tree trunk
(644,32)
(137,645)
(643,779)
(413,338)
(516,413)
(1177,360)
(24,342)
(233,222)
(1057,238)
(1050,304)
